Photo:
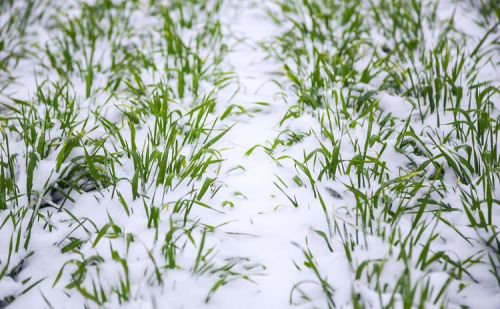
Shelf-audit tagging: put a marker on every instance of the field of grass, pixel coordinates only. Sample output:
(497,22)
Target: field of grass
(250,154)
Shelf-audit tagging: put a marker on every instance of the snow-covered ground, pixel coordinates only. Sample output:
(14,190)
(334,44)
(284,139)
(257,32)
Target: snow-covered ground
(249,154)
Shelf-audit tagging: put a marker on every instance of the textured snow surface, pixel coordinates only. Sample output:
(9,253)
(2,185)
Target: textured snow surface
(252,222)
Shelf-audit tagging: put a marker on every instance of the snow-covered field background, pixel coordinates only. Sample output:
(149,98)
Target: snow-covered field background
(249,154)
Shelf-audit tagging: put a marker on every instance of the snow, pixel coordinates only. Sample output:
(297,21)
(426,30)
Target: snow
(261,226)
(395,105)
